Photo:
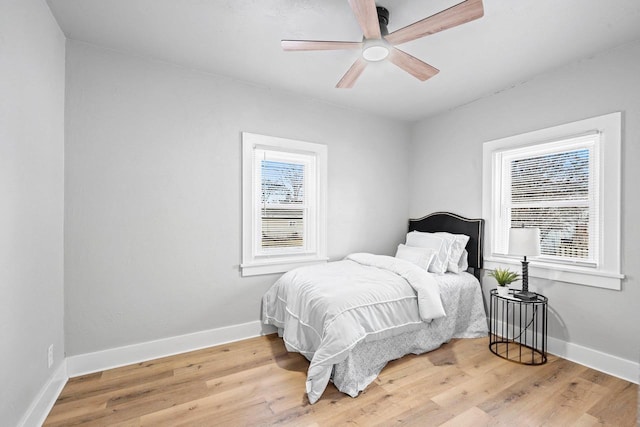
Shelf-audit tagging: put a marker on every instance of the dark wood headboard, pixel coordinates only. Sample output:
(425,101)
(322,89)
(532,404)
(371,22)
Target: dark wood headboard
(456,224)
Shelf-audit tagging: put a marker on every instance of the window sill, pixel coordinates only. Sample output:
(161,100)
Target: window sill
(578,275)
(277,266)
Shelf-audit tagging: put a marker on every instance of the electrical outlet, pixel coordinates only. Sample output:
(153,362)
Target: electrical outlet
(50,356)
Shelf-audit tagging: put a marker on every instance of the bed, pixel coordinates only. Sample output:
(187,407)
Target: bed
(349,318)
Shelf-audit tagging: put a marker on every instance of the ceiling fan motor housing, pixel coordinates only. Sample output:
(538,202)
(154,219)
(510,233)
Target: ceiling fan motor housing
(383,19)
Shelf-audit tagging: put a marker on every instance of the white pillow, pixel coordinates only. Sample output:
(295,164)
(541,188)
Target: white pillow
(457,243)
(431,241)
(422,257)
(463,264)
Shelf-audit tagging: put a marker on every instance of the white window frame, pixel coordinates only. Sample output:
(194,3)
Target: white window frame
(605,271)
(255,260)
(503,204)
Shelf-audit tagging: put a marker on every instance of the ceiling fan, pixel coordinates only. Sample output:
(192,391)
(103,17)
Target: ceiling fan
(377,44)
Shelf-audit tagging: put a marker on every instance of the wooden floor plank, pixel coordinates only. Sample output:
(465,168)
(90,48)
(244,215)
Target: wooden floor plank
(471,417)
(257,382)
(479,389)
(569,401)
(521,396)
(619,407)
(418,415)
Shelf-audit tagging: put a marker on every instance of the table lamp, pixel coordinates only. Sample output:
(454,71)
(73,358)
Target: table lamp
(524,242)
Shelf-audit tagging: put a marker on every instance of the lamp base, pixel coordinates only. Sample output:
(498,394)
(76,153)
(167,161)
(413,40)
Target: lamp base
(526,295)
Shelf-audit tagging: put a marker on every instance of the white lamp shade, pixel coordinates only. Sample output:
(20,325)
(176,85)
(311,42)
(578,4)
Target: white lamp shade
(524,241)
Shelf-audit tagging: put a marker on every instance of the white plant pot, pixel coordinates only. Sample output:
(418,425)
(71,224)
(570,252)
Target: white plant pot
(503,291)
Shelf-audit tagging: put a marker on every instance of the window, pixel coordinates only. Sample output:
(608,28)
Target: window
(566,181)
(284,193)
(552,187)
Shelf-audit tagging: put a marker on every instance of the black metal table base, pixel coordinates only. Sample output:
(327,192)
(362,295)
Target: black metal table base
(518,328)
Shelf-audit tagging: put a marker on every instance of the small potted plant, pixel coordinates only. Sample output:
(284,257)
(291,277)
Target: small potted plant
(503,276)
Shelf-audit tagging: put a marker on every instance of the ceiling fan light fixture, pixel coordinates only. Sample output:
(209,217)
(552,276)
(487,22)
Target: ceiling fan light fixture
(375,50)
(378,44)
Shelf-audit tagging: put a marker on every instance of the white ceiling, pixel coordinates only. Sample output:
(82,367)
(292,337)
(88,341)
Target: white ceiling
(514,41)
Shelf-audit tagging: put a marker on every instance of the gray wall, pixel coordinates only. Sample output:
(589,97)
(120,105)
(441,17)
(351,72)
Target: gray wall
(31,202)
(153,193)
(152,181)
(600,319)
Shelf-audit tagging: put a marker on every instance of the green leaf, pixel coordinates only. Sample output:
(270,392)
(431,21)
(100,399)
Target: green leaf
(504,276)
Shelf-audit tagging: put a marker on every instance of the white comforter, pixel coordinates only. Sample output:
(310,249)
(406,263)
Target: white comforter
(326,310)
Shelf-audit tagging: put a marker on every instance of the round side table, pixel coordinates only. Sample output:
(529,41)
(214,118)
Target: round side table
(518,328)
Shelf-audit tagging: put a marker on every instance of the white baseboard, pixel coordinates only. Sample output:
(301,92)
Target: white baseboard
(603,362)
(42,404)
(115,357)
(112,358)
(121,356)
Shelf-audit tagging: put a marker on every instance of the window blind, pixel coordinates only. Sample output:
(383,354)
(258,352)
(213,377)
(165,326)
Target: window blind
(556,192)
(282,210)
(282,202)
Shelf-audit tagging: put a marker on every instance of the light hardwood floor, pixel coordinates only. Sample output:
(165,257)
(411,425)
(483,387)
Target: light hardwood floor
(256,382)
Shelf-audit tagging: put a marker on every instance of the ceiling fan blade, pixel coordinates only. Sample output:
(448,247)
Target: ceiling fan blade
(349,79)
(456,15)
(367,15)
(412,65)
(318,45)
